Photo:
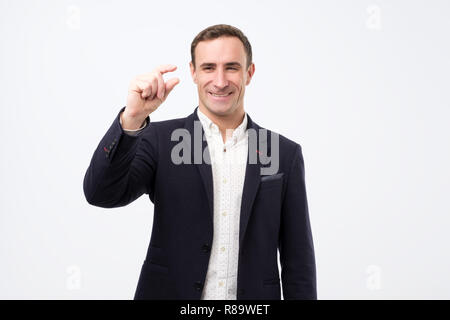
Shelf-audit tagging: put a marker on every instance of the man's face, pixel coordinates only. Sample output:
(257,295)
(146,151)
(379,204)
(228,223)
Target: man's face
(221,74)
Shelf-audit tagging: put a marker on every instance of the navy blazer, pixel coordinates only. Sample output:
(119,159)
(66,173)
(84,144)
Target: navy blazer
(274,213)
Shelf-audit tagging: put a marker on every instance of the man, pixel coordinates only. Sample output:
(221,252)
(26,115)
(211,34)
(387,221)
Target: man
(220,212)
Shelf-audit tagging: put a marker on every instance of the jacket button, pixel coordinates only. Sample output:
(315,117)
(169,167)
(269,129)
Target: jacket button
(206,248)
(198,286)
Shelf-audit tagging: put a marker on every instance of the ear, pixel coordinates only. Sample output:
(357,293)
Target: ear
(250,73)
(193,72)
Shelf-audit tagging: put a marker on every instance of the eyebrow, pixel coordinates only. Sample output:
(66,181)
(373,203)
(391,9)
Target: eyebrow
(228,64)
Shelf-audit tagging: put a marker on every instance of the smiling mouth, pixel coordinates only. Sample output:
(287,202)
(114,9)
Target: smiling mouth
(220,95)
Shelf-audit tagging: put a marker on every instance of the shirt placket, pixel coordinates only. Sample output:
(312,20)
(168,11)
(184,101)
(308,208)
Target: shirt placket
(234,167)
(221,277)
(224,220)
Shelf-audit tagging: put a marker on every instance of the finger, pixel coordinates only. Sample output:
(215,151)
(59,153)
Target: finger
(139,87)
(166,68)
(170,84)
(161,69)
(147,90)
(154,85)
(161,86)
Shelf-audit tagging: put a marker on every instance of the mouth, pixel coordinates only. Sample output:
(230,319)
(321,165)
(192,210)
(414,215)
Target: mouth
(220,97)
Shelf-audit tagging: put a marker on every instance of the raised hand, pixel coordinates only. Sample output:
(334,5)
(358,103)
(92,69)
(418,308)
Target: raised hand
(145,94)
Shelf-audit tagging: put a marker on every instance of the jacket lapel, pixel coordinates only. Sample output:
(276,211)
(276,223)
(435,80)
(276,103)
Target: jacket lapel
(252,176)
(204,168)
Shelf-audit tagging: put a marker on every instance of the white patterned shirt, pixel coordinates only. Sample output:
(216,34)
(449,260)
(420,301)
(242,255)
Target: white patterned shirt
(228,164)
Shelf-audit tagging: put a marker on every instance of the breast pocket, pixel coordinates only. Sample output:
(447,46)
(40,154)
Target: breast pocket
(267,206)
(269,194)
(271,182)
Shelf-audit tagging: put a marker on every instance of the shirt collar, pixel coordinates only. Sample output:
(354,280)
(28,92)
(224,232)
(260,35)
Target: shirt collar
(211,128)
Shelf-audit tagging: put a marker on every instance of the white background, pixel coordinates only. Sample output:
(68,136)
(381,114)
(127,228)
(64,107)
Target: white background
(363,86)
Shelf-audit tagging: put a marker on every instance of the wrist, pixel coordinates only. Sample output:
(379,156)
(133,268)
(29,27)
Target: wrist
(131,123)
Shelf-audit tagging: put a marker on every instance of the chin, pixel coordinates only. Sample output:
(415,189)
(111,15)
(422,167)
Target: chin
(220,110)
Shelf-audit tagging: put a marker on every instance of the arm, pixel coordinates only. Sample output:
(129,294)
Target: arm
(298,269)
(133,132)
(124,164)
(122,167)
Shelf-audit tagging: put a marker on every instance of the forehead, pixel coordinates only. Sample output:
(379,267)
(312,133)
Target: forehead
(220,50)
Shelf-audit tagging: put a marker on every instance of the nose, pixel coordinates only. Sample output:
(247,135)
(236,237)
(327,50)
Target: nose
(220,80)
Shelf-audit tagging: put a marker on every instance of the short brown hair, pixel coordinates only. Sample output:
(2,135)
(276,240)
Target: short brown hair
(222,30)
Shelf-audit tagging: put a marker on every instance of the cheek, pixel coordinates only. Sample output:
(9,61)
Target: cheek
(240,83)
(203,83)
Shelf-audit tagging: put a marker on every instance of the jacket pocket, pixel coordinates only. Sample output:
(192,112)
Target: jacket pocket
(155,267)
(273,181)
(272,177)
(156,260)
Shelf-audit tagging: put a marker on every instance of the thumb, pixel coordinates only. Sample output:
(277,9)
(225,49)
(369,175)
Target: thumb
(170,84)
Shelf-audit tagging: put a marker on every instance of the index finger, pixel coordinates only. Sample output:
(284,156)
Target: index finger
(166,68)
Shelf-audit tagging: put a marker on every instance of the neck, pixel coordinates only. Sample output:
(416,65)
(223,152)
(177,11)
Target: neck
(225,122)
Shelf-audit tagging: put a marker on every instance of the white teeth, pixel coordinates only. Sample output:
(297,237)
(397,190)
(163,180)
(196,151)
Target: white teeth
(218,95)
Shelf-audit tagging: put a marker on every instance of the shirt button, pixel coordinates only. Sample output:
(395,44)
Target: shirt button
(221,284)
(224,213)
(222,249)
(224,181)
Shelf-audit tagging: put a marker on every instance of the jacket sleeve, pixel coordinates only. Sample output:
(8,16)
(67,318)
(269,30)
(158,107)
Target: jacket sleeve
(122,167)
(298,268)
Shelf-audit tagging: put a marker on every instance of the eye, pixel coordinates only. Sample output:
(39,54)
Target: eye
(232,68)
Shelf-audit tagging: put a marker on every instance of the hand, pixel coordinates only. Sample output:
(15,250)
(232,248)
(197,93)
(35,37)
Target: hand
(145,94)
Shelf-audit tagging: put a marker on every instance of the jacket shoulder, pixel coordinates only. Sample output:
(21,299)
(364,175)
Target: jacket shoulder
(286,144)
(169,124)
(164,128)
